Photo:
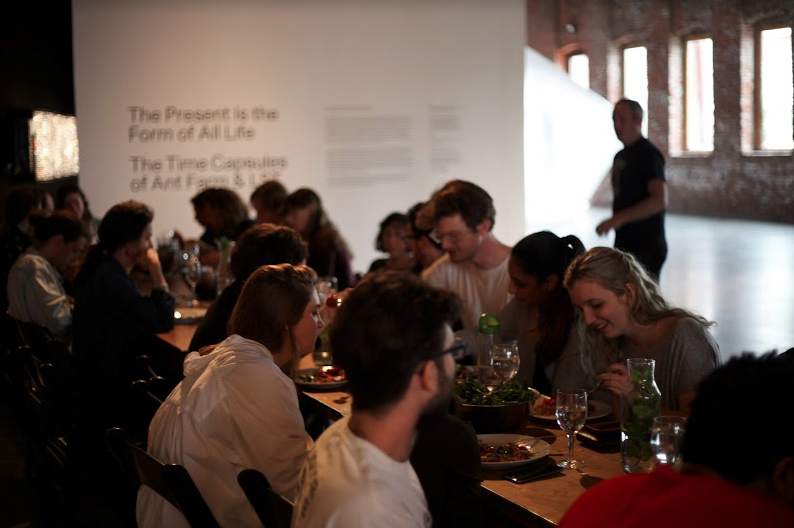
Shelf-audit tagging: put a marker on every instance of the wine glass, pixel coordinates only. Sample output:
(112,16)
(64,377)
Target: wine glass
(667,434)
(571,415)
(191,270)
(505,361)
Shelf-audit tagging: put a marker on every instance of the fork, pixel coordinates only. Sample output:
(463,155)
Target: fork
(597,385)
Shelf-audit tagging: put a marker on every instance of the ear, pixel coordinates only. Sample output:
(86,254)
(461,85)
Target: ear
(782,479)
(484,227)
(551,283)
(428,376)
(630,295)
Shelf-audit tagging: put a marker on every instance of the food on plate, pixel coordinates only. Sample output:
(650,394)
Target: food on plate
(509,452)
(545,406)
(324,375)
(472,392)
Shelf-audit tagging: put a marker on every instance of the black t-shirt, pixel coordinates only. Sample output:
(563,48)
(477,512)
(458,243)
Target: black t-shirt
(633,168)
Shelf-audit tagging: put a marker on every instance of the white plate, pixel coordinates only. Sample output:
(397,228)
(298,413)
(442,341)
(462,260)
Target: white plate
(540,449)
(599,410)
(316,385)
(188,314)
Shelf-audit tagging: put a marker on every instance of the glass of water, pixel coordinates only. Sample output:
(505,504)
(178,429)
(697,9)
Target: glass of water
(571,415)
(667,434)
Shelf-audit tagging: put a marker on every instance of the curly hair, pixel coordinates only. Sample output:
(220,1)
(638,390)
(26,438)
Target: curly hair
(229,208)
(469,200)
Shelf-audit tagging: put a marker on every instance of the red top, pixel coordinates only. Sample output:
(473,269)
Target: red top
(665,498)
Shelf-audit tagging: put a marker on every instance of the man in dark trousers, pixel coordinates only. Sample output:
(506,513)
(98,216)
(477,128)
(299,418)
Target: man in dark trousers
(640,192)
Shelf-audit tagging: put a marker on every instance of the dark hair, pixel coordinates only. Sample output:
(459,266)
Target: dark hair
(420,224)
(396,219)
(734,390)
(20,201)
(542,255)
(321,231)
(272,195)
(635,108)
(67,189)
(264,244)
(229,208)
(60,222)
(389,323)
(465,198)
(124,222)
(271,303)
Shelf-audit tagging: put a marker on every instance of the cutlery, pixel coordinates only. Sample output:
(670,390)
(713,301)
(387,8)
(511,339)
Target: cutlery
(597,385)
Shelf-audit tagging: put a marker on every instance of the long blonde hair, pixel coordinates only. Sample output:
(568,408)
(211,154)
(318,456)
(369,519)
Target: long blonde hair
(615,270)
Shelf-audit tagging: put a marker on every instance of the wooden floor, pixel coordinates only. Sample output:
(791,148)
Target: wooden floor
(737,273)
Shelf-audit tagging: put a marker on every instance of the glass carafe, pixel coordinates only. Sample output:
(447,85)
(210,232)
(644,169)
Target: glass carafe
(638,407)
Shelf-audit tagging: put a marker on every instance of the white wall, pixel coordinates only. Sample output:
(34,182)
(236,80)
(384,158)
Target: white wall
(374,104)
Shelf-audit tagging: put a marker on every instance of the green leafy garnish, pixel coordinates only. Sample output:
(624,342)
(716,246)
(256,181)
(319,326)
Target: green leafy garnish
(473,392)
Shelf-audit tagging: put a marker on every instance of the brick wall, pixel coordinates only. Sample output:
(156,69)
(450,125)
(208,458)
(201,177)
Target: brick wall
(732,181)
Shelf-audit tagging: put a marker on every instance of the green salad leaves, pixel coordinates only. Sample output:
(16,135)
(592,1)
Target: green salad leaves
(473,392)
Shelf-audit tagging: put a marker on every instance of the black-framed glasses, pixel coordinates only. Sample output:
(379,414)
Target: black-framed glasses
(458,350)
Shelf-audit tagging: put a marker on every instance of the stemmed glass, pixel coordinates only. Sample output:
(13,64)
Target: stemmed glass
(191,269)
(505,361)
(571,415)
(667,435)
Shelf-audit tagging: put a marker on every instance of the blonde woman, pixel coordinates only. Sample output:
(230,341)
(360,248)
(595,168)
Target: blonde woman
(623,315)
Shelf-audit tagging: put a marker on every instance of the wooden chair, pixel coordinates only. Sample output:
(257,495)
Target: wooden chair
(170,481)
(272,509)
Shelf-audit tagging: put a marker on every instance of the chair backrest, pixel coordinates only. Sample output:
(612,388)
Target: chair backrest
(170,481)
(274,510)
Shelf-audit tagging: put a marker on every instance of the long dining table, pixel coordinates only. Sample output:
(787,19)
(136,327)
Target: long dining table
(539,503)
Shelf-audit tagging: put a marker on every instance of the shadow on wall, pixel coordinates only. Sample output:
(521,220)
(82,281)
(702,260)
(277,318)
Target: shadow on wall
(569,141)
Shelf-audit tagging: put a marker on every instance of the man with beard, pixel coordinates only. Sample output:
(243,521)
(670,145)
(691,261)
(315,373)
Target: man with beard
(721,482)
(393,337)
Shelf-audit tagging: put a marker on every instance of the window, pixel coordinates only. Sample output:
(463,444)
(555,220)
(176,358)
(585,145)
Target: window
(699,95)
(774,95)
(579,69)
(635,79)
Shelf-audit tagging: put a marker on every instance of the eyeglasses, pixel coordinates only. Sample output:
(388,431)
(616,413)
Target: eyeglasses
(458,350)
(453,237)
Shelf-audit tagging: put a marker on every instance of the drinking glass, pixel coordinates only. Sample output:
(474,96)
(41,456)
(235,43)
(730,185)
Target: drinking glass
(326,286)
(667,434)
(571,415)
(191,270)
(505,360)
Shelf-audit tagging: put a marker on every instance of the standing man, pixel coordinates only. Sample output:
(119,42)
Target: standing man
(640,192)
(393,337)
(475,265)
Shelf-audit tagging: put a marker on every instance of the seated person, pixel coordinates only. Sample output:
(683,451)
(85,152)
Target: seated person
(540,316)
(223,214)
(112,320)
(70,196)
(720,484)
(623,315)
(35,287)
(446,458)
(328,253)
(393,338)
(269,200)
(237,407)
(392,239)
(16,232)
(422,246)
(260,245)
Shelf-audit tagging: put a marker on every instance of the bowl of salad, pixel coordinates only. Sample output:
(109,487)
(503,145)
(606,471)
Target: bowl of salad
(500,409)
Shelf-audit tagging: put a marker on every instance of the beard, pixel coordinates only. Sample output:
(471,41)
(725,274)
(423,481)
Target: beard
(438,407)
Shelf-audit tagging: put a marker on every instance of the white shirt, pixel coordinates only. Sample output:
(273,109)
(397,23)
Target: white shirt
(234,410)
(481,290)
(36,293)
(348,482)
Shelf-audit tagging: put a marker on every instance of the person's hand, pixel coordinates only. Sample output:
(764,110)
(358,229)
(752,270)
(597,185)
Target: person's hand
(150,262)
(604,227)
(616,379)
